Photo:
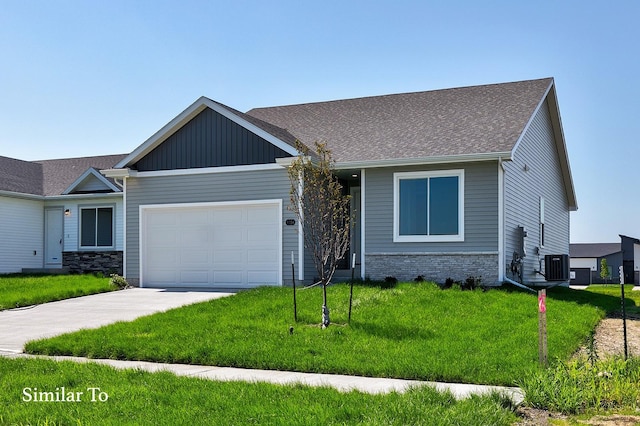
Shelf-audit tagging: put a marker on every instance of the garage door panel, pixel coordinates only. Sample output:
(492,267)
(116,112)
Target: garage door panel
(189,257)
(195,216)
(217,245)
(162,276)
(261,278)
(229,215)
(166,257)
(162,236)
(226,235)
(261,235)
(261,255)
(261,215)
(194,236)
(195,277)
(166,218)
(220,257)
(230,277)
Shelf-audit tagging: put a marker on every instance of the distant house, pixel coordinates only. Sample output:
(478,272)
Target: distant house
(60,214)
(586,261)
(445,183)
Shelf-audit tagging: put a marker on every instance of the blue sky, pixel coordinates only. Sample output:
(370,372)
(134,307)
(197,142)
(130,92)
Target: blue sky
(81,78)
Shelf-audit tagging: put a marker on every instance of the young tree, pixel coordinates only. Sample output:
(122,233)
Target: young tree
(604,269)
(317,200)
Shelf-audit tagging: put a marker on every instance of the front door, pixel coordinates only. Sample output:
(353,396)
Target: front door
(53,225)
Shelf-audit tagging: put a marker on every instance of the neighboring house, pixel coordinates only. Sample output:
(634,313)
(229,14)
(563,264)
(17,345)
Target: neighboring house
(60,214)
(586,261)
(445,183)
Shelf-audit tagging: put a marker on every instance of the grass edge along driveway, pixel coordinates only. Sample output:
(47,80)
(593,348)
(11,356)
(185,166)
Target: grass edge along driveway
(412,331)
(20,290)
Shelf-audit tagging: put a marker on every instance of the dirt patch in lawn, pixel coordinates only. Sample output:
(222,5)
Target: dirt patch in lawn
(609,336)
(609,341)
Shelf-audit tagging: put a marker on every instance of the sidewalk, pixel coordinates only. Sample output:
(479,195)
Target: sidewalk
(372,385)
(18,326)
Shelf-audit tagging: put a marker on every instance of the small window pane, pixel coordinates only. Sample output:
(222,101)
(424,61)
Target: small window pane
(105,228)
(413,207)
(443,205)
(88,228)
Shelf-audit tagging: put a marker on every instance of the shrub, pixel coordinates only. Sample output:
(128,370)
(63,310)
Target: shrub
(389,282)
(471,283)
(118,281)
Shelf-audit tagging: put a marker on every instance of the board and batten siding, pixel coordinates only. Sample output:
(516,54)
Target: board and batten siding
(21,234)
(534,172)
(210,140)
(205,188)
(480,211)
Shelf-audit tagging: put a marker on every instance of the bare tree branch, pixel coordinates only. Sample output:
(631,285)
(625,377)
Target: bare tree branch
(317,200)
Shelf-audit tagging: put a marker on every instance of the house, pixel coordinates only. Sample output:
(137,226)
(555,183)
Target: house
(60,214)
(586,261)
(445,183)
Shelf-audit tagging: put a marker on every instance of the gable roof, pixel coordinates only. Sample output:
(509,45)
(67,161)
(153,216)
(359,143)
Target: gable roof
(269,132)
(578,250)
(61,173)
(458,122)
(50,177)
(91,181)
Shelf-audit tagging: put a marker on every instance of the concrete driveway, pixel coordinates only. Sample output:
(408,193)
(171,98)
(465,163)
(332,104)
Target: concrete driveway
(21,325)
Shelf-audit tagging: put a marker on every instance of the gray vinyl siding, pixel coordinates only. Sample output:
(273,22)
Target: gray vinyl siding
(480,211)
(523,187)
(210,140)
(210,187)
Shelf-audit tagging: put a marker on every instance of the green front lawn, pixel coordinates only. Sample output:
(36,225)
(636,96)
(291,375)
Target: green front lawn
(18,290)
(140,398)
(413,331)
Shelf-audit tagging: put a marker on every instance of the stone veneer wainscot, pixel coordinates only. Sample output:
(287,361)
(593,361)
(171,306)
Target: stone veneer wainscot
(434,266)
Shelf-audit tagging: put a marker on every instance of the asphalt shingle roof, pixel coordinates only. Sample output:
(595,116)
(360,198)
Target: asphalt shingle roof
(593,249)
(458,121)
(48,177)
(20,176)
(59,174)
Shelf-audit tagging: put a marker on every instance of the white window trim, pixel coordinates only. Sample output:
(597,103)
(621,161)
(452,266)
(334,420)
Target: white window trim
(113,227)
(397,177)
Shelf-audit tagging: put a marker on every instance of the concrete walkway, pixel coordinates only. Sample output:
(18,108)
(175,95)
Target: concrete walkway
(21,325)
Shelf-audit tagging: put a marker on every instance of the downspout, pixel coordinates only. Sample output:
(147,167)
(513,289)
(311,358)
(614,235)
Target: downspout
(501,249)
(517,284)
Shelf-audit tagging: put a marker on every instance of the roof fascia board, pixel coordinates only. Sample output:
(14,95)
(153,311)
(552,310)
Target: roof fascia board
(22,195)
(251,127)
(188,114)
(84,196)
(531,118)
(395,162)
(119,173)
(210,170)
(161,135)
(561,146)
(88,172)
(552,102)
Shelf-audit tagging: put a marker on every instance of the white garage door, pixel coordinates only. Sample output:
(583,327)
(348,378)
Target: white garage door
(211,245)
